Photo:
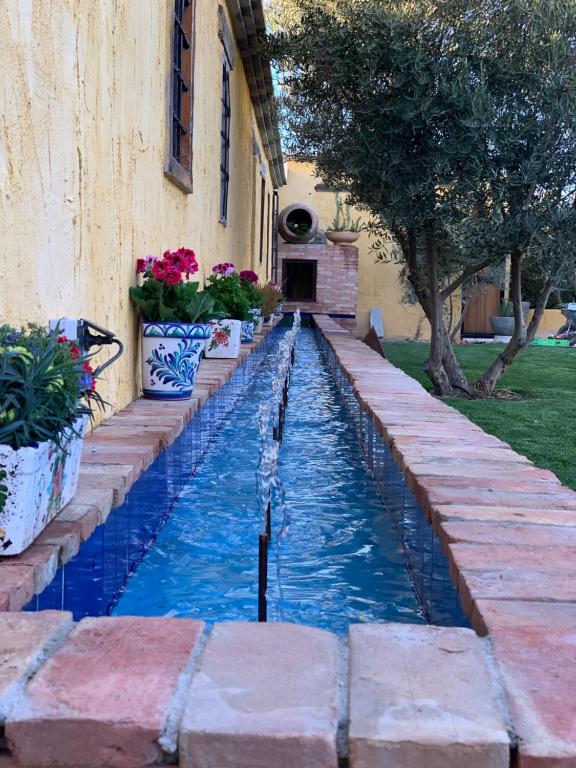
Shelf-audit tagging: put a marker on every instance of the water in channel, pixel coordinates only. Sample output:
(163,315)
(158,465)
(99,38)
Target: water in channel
(340,561)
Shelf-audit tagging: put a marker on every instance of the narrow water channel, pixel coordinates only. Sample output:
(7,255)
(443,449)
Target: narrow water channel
(340,561)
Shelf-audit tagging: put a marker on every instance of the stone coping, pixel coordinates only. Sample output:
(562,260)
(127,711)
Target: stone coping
(114,456)
(129,692)
(509,532)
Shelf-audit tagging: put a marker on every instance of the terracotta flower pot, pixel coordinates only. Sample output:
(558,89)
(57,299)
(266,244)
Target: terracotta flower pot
(342,238)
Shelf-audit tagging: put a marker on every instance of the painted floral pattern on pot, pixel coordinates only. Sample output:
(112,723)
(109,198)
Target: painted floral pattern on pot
(225,339)
(171,354)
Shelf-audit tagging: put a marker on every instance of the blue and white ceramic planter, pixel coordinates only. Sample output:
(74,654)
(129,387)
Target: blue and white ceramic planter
(249,327)
(247,332)
(170,358)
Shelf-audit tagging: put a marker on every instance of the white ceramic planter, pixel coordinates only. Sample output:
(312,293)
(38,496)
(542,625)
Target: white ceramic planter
(259,325)
(170,358)
(40,481)
(225,339)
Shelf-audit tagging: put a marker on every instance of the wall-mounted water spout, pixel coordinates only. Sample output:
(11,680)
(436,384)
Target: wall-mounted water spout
(82,331)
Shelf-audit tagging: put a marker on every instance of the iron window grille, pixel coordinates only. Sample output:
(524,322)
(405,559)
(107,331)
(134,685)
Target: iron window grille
(179,166)
(225,142)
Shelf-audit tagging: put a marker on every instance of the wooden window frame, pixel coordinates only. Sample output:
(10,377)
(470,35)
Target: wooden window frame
(178,167)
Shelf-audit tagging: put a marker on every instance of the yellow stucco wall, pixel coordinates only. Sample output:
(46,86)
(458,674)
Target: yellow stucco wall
(551,322)
(378,283)
(83,142)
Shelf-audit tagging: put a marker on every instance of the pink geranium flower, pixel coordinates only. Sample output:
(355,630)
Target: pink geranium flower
(145,265)
(226,268)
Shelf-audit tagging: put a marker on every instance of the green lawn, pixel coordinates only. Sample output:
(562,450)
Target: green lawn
(543,426)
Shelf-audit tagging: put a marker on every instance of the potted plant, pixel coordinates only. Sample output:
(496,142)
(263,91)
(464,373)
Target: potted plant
(175,323)
(343,229)
(225,287)
(503,324)
(249,282)
(271,298)
(47,394)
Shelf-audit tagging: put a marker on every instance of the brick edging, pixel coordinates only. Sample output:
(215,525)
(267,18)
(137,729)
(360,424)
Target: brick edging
(508,530)
(129,692)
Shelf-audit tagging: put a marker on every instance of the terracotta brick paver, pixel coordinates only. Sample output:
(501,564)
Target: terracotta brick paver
(264,695)
(423,696)
(25,638)
(535,647)
(106,696)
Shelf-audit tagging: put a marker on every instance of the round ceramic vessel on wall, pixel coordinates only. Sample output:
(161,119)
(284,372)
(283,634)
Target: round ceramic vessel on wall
(342,238)
(225,339)
(170,358)
(298,214)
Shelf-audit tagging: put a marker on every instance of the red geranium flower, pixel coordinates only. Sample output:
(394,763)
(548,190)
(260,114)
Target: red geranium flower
(172,275)
(249,276)
(159,269)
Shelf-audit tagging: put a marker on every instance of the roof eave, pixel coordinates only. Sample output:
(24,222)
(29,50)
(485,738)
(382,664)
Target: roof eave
(249,27)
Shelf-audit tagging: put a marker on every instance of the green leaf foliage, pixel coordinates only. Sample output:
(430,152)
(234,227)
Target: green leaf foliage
(230,296)
(43,387)
(181,303)
(253,293)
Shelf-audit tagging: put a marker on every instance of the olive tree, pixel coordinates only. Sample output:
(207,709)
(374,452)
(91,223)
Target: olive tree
(453,124)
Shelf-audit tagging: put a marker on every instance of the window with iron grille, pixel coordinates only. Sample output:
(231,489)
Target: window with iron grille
(262,216)
(225,141)
(179,166)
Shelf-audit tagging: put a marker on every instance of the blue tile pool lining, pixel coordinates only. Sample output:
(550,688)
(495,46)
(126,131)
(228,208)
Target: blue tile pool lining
(91,582)
(426,562)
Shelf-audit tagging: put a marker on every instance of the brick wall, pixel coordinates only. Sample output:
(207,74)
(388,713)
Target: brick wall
(336,276)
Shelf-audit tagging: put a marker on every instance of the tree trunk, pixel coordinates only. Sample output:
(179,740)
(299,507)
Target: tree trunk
(451,369)
(455,374)
(522,336)
(434,366)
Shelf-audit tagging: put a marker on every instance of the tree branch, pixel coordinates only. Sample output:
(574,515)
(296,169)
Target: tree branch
(468,272)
